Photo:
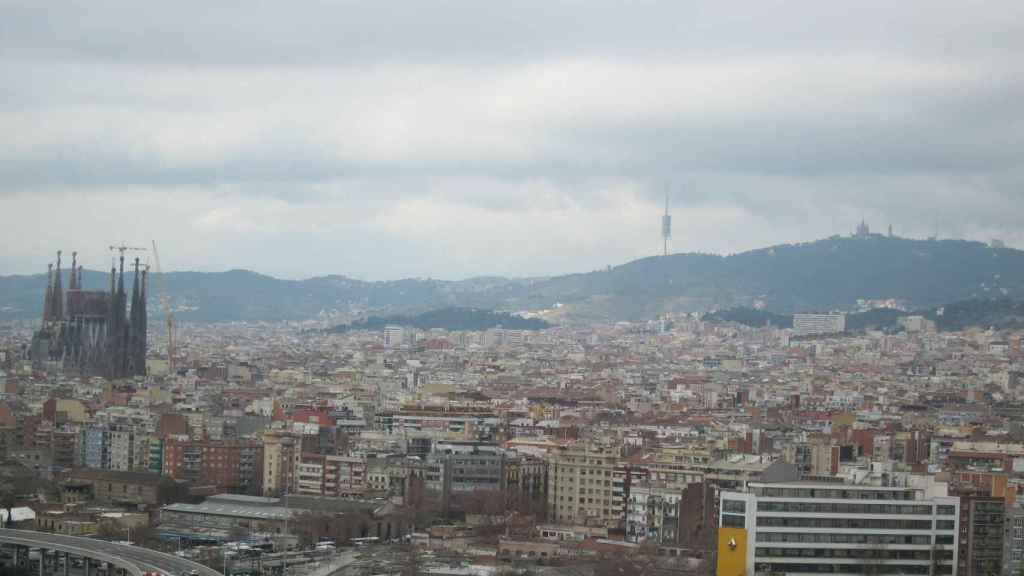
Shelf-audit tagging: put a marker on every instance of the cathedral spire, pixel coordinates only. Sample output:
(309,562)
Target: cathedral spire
(135,285)
(48,299)
(143,325)
(73,281)
(120,277)
(57,307)
(137,327)
(133,323)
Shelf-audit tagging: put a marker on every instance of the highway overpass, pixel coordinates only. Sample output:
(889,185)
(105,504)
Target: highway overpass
(122,558)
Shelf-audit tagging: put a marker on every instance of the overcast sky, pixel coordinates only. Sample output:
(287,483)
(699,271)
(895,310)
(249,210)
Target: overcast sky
(451,139)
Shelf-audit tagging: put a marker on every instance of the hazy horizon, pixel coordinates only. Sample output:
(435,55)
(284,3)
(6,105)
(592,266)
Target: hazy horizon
(464,139)
(147,260)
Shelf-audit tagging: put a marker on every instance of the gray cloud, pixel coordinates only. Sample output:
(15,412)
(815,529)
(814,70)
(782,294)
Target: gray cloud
(461,138)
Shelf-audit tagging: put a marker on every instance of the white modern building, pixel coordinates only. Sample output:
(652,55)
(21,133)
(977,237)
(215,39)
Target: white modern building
(393,336)
(832,528)
(815,324)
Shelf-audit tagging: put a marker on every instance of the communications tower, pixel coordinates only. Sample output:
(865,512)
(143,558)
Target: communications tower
(666,228)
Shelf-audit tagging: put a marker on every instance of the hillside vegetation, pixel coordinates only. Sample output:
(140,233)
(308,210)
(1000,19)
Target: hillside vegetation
(824,275)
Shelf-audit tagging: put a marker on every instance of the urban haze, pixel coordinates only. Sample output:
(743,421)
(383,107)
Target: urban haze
(503,289)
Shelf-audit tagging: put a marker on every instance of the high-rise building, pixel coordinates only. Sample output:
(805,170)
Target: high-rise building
(807,527)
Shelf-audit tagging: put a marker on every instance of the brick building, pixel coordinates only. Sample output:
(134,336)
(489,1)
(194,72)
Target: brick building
(232,465)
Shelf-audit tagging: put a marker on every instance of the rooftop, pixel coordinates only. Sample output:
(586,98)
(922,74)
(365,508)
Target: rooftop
(236,510)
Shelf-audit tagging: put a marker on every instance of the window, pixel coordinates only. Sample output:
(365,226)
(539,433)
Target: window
(733,521)
(734,506)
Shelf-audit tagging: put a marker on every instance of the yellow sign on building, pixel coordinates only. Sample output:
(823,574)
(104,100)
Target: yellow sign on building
(732,552)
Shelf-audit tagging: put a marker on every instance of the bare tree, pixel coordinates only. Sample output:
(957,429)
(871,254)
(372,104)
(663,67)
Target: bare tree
(411,562)
(7,500)
(427,509)
(311,527)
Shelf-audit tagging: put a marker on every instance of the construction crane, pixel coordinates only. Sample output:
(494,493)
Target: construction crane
(165,305)
(123,248)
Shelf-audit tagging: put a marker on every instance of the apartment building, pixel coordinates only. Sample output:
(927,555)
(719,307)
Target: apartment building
(128,448)
(580,486)
(981,540)
(280,449)
(805,527)
(330,475)
(439,421)
(230,464)
(1013,540)
(652,513)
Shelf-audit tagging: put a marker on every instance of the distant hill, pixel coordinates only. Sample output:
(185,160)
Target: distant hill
(1000,314)
(824,275)
(751,317)
(459,319)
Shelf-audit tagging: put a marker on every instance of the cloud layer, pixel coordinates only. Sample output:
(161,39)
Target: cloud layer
(452,139)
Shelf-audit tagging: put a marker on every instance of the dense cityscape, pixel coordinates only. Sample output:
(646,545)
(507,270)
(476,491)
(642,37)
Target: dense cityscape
(530,288)
(675,445)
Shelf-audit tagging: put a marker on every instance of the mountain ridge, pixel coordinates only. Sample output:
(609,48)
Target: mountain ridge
(826,274)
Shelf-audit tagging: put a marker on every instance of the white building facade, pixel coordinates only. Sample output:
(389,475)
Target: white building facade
(825,528)
(815,324)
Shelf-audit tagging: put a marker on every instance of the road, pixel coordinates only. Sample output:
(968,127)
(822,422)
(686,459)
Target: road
(136,559)
(332,565)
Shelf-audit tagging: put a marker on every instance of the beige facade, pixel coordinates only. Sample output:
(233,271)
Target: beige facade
(580,486)
(280,449)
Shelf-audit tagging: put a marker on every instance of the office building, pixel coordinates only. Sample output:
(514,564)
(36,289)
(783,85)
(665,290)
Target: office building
(833,528)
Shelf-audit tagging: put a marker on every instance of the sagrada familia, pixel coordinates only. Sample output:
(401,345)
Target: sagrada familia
(93,332)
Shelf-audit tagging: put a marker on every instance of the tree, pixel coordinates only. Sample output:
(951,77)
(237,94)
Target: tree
(110,531)
(427,509)
(313,527)
(7,500)
(411,562)
(623,565)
